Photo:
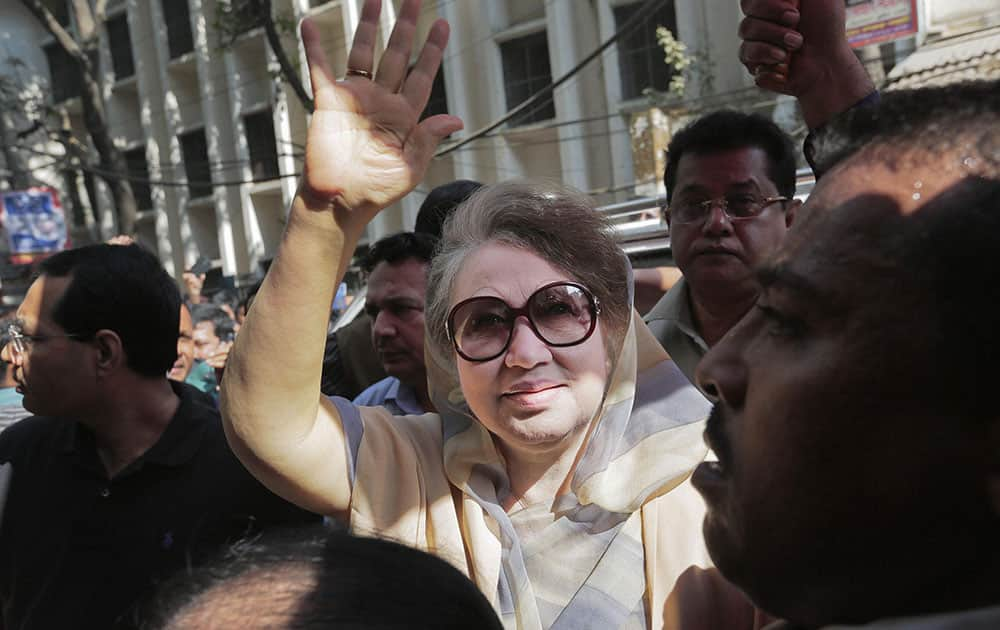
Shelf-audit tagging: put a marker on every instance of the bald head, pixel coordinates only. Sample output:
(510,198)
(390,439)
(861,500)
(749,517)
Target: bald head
(314,579)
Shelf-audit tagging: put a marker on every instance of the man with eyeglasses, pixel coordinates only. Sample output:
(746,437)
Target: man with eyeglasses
(730,177)
(730,180)
(122,476)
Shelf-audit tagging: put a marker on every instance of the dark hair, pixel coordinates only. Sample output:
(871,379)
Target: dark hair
(311,578)
(557,223)
(225,297)
(441,202)
(122,288)
(250,296)
(399,247)
(211,313)
(729,129)
(931,120)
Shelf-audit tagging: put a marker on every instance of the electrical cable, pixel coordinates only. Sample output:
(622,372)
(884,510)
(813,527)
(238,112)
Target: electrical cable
(648,8)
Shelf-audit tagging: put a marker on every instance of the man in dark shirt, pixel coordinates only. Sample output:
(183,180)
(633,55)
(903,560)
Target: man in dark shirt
(123,476)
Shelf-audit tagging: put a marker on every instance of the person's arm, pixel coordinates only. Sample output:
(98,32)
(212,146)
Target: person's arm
(800,48)
(365,149)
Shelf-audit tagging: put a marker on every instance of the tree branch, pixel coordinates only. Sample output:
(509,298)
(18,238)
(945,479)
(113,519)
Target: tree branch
(43,15)
(100,10)
(287,69)
(86,27)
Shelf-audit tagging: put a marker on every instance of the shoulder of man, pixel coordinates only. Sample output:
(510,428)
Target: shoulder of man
(667,307)
(24,436)
(375,394)
(217,458)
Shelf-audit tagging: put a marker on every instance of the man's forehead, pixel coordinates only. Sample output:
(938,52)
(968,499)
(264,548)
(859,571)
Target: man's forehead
(852,224)
(910,177)
(743,163)
(406,277)
(41,298)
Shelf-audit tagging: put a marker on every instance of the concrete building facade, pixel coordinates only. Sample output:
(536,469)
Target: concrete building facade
(214,138)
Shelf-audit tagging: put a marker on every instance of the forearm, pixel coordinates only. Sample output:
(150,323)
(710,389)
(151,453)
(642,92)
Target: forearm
(270,393)
(842,83)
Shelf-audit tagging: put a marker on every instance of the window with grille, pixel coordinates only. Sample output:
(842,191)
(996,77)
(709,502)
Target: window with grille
(138,169)
(640,57)
(194,149)
(64,76)
(259,130)
(177,18)
(525,71)
(120,43)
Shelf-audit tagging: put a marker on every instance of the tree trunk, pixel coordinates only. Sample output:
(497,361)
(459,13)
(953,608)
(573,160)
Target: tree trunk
(112,162)
(287,69)
(19,177)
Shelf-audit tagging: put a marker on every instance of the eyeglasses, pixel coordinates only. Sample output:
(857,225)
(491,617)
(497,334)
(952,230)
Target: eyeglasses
(18,343)
(736,207)
(560,314)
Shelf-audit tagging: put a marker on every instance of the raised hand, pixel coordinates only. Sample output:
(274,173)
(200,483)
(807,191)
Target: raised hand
(799,47)
(365,147)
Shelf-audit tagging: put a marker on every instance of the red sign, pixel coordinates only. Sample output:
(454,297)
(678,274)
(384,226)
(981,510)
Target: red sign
(34,222)
(879,21)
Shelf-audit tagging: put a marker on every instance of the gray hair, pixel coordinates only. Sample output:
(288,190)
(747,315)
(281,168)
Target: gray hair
(557,223)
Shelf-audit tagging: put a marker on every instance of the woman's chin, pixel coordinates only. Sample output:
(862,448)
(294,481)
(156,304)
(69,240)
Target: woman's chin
(540,431)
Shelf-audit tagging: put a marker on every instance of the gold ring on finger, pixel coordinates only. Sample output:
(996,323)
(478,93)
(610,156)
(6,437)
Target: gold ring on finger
(354,72)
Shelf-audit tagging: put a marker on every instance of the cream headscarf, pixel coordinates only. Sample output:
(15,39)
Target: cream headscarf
(644,440)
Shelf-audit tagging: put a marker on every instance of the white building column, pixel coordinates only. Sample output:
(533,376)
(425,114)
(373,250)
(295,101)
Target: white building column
(572,33)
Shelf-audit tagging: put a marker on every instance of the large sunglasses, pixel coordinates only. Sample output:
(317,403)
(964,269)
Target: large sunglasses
(561,314)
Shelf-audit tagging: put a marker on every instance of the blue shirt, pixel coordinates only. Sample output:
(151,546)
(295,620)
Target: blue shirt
(398,397)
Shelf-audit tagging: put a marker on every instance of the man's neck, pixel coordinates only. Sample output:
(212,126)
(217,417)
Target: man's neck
(714,315)
(130,423)
(421,392)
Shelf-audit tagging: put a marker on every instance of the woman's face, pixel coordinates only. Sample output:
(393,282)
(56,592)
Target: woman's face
(533,396)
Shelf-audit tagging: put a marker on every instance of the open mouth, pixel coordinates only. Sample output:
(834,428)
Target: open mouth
(713,473)
(714,468)
(710,478)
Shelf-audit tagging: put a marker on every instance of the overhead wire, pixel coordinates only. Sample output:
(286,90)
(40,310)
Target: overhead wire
(219,79)
(488,132)
(216,166)
(635,19)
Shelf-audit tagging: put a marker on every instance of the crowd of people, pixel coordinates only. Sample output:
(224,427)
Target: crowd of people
(796,435)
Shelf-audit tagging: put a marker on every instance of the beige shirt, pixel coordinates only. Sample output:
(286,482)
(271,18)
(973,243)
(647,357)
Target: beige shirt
(672,323)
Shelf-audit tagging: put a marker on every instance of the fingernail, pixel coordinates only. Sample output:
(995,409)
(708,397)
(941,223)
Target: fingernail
(776,55)
(793,40)
(790,18)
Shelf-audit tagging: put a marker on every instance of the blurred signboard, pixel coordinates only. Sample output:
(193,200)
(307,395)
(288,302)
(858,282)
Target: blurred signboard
(879,21)
(34,222)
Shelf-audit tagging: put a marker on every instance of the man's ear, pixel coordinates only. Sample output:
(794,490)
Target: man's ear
(110,352)
(790,211)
